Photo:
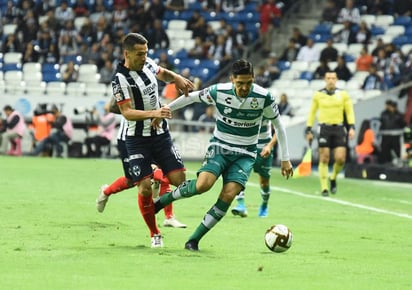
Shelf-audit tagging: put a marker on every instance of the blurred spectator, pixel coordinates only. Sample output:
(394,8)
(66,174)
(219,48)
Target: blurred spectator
(100,29)
(366,141)
(211,5)
(270,16)
(81,8)
(28,28)
(155,8)
(10,13)
(242,40)
(44,6)
(11,44)
(285,107)
(105,132)
(349,13)
(29,53)
(120,16)
(273,66)
(64,12)
(391,119)
(208,117)
(232,5)
(309,52)
(71,73)
(221,51)
(176,5)
(290,52)
(402,7)
(373,81)
(377,7)
(157,36)
(199,50)
(12,127)
(321,70)
(381,61)
(193,20)
(391,78)
(106,72)
(346,34)
(299,38)
(68,46)
(262,77)
(200,28)
(62,131)
(329,53)
(364,60)
(42,121)
(221,30)
(330,12)
(379,45)
(363,35)
(342,70)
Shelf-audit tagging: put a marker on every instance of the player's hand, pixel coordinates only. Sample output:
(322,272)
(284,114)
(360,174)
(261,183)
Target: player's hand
(351,133)
(164,112)
(286,169)
(184,85)
(309,137)
(266,151)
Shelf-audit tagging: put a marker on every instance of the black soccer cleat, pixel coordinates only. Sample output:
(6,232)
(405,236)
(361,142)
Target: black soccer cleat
(192,245)
(333,186)
(325,192)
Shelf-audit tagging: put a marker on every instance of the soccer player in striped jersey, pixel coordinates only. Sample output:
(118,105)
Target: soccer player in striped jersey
(262,166)
(240,106)
(148,140)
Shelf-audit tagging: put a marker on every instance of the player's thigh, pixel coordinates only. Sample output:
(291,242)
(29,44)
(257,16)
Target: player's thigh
(166,155)
(140,158)
(124,157)
(239,170)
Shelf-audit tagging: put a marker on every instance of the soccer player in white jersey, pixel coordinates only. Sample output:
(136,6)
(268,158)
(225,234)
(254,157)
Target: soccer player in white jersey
(240,106)
(135,90)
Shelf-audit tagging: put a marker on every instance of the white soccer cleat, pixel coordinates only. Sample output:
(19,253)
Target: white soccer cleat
(173,222)
(157,241)
(102,199)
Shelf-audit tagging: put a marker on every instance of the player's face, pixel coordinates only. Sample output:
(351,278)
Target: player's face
(136,58)
(331,79)
(242,84)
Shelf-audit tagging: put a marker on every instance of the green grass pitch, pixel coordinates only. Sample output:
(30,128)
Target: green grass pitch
(52,237)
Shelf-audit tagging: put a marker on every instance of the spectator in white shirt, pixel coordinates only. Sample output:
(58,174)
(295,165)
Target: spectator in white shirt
(308,52)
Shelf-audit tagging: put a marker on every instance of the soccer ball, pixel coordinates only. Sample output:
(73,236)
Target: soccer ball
(278,238)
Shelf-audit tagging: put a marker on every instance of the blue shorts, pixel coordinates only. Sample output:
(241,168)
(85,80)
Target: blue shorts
(144,151)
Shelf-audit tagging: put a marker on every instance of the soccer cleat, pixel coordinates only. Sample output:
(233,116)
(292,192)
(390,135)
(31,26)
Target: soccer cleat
(157,241)
(333,186)
(325,192)
(173,222)
(192,245)
(240,210)
(102,199)
(263,210)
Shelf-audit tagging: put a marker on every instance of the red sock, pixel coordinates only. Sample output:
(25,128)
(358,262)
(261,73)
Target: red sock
(118,185)
(147,210)
(168,209)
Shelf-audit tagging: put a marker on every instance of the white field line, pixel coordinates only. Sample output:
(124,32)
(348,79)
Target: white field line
(333,200)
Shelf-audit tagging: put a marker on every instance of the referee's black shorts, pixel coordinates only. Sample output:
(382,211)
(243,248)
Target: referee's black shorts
(332,136)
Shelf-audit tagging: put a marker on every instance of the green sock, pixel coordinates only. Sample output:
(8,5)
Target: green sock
(212,217)
(186,189)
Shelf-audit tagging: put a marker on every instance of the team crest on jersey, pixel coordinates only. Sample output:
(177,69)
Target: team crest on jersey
(254,104)
(136,170)
(227,110)
(210,153)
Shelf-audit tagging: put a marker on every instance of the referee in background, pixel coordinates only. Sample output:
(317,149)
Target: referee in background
(333,105)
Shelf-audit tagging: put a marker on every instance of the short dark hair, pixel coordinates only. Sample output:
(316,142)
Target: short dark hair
(242,67)
(131,39)
(7,108)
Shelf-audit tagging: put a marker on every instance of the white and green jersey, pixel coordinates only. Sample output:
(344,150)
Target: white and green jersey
(265,133)
(238,119)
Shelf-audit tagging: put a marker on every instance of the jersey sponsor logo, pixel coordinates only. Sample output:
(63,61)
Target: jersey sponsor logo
(238,124)
(254,104)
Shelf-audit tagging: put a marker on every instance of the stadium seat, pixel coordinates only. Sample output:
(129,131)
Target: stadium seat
(306,75)
(12,57)
(401,40)
(384,20)
(395,30)
(369,94)
(177,24)
(79,21)
(96,90)
(289,75)
(336,28)
(353,84)
(322,28)
(77,89)
(281,84)
(370,19)
(299,65)
(9,29)
(377,30)
(56,88)
(402,20)
(341,47)
(354,49)
(316,84)
(406,48)
(32,67)
(300,84)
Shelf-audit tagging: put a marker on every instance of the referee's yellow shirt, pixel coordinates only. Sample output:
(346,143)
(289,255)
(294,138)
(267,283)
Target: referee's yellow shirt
(331,107)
